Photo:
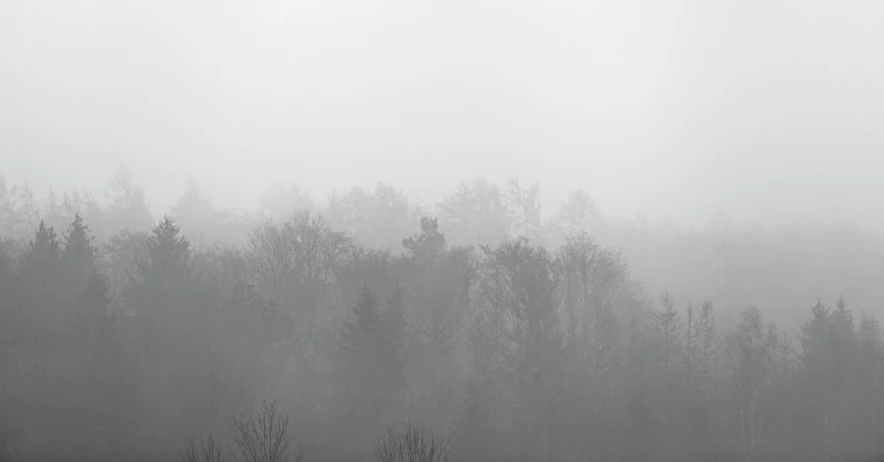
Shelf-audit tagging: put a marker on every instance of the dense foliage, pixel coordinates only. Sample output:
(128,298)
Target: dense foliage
(518,340)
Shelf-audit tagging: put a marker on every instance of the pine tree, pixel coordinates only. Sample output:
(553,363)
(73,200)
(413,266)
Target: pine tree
(44,251)
(369,370)
(169,251)
(429,244)
(692,344)
(668,328)
(78,257)
(78,243)
(703,423)
(816,368)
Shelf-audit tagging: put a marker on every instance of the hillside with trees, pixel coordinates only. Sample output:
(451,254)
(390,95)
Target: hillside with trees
(357,326)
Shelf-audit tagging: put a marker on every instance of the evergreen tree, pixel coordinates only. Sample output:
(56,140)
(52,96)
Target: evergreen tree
(169,251)
(668,327)
(429,244)
(78,257)
(41,278)
(669,366)
(78,243)
(369,371)
(44,251)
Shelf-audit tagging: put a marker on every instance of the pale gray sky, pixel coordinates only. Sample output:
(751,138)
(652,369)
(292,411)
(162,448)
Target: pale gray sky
(658,107)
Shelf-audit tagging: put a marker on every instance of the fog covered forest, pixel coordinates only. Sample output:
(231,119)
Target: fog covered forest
(506,334)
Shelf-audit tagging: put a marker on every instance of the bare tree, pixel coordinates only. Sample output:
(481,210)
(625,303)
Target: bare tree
(412,444)
(208,451)
(265,438)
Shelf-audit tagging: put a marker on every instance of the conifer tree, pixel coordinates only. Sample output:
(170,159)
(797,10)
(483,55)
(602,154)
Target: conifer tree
(369,371)
(78,257)
(44,251)
(78,243)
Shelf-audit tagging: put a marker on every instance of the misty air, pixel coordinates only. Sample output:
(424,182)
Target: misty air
(487,231)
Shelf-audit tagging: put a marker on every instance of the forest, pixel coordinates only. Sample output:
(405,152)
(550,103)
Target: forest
(474,329)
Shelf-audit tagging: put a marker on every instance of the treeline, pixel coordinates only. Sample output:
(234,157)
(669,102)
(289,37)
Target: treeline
(775,269)
(516,351)
(475,212)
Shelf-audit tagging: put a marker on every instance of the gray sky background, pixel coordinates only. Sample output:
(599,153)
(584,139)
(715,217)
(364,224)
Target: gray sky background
(773,110)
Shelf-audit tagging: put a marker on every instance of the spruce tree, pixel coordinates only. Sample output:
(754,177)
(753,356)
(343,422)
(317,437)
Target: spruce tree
(369,371)
(41,260)
(78,243)
(78,258)
(168,250)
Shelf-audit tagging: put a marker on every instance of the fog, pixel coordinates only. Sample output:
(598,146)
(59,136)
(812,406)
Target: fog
(430,231)
(768,110)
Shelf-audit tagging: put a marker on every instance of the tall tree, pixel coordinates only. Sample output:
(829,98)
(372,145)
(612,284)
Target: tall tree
(476,213)
(369,370)
(750,351)
(525,209)
(377,218)
(521,280)
(127,208)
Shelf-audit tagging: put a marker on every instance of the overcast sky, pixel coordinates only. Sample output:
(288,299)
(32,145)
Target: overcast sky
(770,109)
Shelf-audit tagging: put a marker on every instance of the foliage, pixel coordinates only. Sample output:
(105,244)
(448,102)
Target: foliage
(115,342)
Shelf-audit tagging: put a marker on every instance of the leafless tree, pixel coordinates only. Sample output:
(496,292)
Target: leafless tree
(412,444)
(208,451)
(265,438)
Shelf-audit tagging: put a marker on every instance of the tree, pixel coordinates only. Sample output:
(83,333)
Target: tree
(369,369)
(669,325)
(578,213)
(169,252)
(668,329)
(78,256)
(525,204)
(377,218)
(429,244)
(869,380)
(521,281)
(280,202)
(127,208)
(474,427)
(412,444)
(78,243)
(750,352)
(597,298)
(476,213)
(41,260)
(195,211)
(702,345)
(397,336)
(295,263)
